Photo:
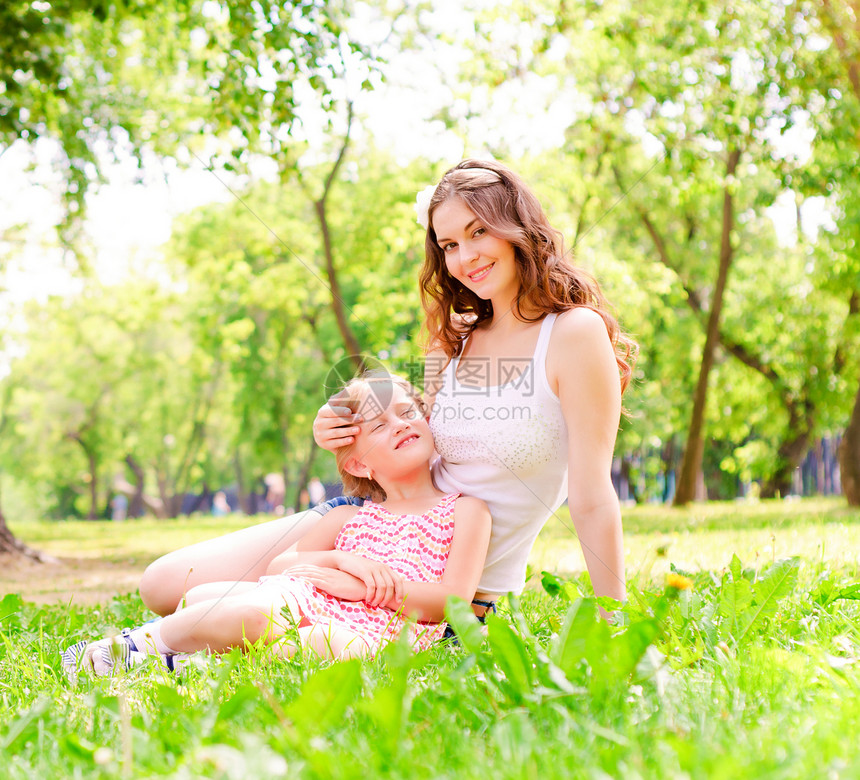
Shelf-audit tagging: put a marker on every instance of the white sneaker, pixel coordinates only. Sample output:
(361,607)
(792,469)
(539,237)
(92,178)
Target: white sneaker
(107,656)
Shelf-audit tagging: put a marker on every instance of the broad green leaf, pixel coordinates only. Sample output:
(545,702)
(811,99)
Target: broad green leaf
(777,582)
(735,599)
(627,648)
(10,606)
(511,654)
(388,703)
(325,696)
(552,584)
(237,701)
(570,646)
(461,617)
(736,568)
(851,592)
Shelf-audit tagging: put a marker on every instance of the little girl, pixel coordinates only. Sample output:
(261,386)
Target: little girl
(358,578)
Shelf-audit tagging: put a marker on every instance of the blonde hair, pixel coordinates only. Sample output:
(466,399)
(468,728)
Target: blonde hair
(548,281)
(367,394)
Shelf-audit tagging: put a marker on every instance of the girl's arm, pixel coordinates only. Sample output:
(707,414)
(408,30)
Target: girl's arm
(316,548)
(582,361)
(426,600)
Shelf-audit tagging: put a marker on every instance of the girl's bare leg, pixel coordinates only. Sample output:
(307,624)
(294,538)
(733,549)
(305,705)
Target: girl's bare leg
(241,555)
(331,643)
(210,591)
(222,623)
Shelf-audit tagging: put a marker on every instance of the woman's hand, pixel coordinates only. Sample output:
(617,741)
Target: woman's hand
(335,426)
(381,582)
(335,582)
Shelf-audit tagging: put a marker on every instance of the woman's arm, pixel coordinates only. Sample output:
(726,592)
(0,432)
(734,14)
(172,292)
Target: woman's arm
(426,600)
(581,363)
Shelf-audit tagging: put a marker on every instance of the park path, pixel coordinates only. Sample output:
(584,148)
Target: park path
(84,580)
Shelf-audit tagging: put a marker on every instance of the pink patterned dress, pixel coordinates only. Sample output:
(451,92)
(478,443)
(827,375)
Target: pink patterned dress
(415,546)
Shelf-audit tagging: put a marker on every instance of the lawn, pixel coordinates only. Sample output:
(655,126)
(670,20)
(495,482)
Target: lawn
(751,672)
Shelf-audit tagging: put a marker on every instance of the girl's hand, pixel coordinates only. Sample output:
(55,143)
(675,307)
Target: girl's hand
(335,582)
(335,426)
(382,583)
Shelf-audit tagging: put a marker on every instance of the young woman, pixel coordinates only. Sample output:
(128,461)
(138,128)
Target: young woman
(524,377)
(353,582)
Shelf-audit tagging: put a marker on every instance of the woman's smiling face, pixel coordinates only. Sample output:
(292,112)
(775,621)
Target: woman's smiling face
(481,262)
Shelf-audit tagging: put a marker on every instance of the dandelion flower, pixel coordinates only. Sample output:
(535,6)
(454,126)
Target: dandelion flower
(678,581)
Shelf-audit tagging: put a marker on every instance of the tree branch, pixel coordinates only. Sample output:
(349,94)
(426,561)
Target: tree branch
(839,355)
(333,172)
(693,298)
(835,26)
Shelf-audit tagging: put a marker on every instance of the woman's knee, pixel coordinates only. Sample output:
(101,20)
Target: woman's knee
(160,588)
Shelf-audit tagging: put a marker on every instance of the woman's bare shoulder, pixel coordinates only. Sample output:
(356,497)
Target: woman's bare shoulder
(580,322)
(580,344)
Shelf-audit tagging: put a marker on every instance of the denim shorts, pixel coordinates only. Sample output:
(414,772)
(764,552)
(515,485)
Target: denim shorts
(327,506)
(490,606)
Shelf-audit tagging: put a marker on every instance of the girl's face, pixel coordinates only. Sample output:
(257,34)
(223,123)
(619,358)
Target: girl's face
(482,263)
(396,441)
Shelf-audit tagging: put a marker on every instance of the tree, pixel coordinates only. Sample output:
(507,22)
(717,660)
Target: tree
(702,89)
(838,160)
(258,294)
(71,64)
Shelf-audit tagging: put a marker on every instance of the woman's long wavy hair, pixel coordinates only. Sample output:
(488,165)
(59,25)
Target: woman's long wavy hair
(549,283)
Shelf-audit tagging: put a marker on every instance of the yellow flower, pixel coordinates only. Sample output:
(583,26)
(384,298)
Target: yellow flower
(678,581)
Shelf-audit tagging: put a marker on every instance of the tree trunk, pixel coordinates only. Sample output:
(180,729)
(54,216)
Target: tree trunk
(304,475)
(337,303)
(93,467)
(849,456)
(627,476)
(789,455)
(136,506)
(241,492)
(9,545)
(94,486)
(691,463)
(174,505)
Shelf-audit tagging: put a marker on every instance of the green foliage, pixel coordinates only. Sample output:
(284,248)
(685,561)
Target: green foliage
(670,687)
(746,605)
(116,69)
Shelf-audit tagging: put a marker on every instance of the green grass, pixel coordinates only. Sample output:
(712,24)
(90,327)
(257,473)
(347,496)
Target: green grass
(133,541)
(752,673)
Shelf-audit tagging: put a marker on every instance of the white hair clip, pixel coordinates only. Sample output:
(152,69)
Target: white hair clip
(422,205)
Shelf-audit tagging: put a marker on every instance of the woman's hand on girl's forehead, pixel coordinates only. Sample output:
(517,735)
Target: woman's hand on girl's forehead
(335,425)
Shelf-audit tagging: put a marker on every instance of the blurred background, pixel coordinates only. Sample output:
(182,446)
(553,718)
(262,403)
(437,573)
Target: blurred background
(205,206)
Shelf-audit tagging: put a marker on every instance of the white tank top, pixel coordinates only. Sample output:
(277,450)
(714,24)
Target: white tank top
(507,445)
